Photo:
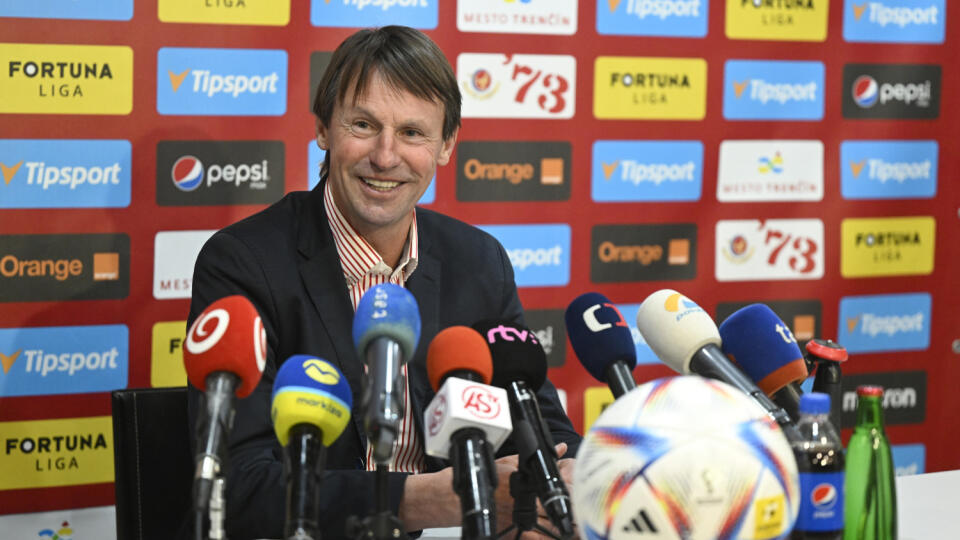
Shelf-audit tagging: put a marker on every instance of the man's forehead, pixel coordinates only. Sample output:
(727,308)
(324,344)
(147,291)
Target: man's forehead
(354,100)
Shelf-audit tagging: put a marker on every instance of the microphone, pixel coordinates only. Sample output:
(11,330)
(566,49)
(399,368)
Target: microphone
(685,338)
(520,367)
(310,408)
(763,346)
(386,329)
(602,341)
(467,422)
(224,355)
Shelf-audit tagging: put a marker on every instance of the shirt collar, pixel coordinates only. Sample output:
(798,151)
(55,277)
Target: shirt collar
(357,257)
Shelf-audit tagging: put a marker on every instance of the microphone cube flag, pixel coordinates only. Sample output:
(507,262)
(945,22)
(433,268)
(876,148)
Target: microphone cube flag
(599,335)
(387,310)
(464,404)
(685,457)
(310,390)
(675,328)
(228,336)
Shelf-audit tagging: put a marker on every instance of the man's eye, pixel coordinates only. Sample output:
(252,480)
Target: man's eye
(361,124)
(412,133)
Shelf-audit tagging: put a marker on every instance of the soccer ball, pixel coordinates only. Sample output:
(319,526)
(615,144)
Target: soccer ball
(685,458)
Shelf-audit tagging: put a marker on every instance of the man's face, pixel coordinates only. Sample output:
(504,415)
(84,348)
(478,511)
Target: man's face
(384,150)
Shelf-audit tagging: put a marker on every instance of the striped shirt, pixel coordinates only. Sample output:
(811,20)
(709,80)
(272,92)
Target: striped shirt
(363,268)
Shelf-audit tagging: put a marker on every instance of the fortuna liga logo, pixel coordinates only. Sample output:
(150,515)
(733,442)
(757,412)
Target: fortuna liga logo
(865,91)
(187,173)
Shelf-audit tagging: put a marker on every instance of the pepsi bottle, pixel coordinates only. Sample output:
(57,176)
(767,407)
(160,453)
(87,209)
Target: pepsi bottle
(819,455)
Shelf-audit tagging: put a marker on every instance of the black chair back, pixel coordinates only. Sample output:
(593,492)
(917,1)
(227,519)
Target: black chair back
(152,462)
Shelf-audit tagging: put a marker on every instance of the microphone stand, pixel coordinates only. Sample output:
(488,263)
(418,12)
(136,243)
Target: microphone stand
(524,495)
(382,525)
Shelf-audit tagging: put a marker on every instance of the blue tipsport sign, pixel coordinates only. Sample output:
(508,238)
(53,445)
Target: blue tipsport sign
(909,459)
(885,322)
(773,90)
(637,171)
(888,169)
(540,254)
(98,10)
(221,82)
(645,354)
(63,360)
(895,21)
(368,13)
(315,157)
(668,18)
(67,173)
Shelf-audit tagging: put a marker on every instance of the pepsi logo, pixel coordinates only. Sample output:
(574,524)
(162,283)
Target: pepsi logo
(201,338)
(480,402)
(437,415)
(865,91)
(823,496)
(187,173)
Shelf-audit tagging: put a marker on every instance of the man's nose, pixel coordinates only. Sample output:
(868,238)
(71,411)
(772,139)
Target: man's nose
(385,152)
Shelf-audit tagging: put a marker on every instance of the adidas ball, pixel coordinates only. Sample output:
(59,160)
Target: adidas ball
(685,458)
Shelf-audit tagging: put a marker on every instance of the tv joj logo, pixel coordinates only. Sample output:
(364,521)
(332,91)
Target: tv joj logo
(231,82)
(540,254)
(64,173)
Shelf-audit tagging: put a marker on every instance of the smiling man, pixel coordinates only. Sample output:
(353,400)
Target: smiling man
(388,114)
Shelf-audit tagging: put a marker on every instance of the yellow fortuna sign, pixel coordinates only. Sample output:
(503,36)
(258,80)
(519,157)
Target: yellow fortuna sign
(62,452)
(781,20)
(166,360)
(66,79)
(252,12)
(642,88)
(595,400)
(900,246)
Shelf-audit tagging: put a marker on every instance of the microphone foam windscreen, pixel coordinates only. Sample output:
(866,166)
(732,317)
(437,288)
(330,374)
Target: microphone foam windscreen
(387,310)
(516,352)
(310,390)
(599,334)
(227,336)
(763,346)
(458,348)
(675,328)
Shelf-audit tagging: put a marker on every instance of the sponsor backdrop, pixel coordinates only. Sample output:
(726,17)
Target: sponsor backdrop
(796,153)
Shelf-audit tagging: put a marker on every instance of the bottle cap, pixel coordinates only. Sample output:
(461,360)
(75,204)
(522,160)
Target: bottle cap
(870,391)
(815,403)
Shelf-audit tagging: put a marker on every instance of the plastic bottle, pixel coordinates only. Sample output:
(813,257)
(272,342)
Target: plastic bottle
(820,462)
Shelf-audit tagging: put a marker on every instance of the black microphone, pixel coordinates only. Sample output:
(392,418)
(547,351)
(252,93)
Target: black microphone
(466,422)
(520,367)
(603,341)
(310,408)
(386,329)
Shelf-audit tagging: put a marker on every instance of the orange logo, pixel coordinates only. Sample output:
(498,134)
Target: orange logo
(738,88)
(678,252)
(10,172)
(858,10)
(804,326)
(551,171)
(857,167)
(7,361)
(609,168)
(106,266)
(177,79)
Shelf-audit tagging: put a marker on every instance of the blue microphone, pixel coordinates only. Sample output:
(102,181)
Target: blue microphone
(310,408)
(386,329)
(602,341)
(765,349)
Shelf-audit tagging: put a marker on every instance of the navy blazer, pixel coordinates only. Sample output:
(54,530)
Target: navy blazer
(285,261)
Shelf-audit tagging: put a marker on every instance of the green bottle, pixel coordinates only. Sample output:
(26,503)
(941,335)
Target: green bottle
(870,509)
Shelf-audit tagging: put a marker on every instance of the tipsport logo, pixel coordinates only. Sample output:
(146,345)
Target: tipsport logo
(64,173)
(100,10)
(667,18)
(909,459)
(638,171)
(540,254)
(888,322)
(221,82)
(555,17)
(66,79)
(63,360)
(895,21)
(888,169)
(891,91)
(420,14)
(219,172)
(773,90)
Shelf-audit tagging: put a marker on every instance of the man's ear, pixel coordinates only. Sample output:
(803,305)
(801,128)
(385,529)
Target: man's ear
(447,148)
(322,135)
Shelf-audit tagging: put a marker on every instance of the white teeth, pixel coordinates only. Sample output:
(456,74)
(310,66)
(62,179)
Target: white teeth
(380,185)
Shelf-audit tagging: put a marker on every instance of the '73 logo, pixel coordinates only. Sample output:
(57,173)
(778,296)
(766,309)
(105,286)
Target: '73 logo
(517,85)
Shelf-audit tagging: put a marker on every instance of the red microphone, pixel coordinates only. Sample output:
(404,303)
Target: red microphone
(224,355)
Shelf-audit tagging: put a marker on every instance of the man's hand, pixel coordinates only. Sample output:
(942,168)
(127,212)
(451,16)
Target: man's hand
(505,467)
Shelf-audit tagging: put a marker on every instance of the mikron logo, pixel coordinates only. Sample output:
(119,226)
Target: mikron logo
(904,396)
